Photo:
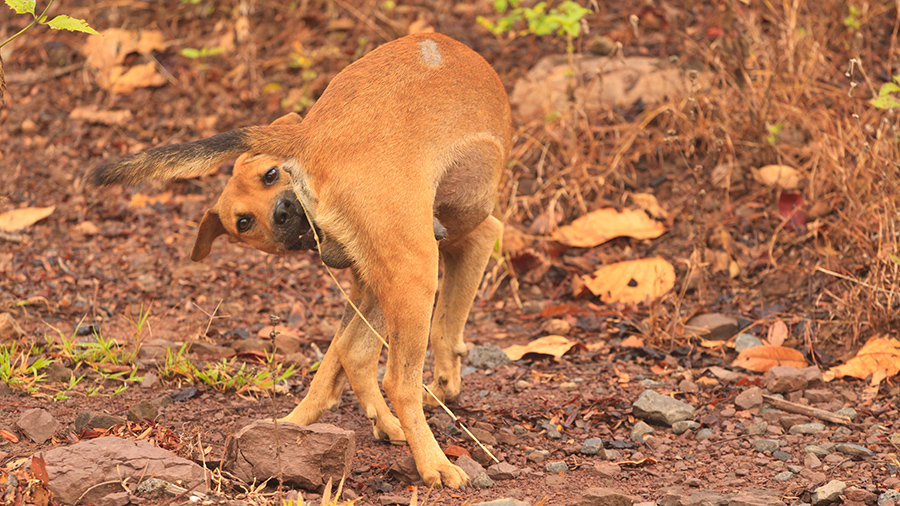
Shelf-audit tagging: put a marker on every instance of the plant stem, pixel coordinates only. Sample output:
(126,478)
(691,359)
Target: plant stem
(37,19)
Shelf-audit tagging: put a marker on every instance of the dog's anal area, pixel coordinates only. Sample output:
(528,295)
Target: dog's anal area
(431,55)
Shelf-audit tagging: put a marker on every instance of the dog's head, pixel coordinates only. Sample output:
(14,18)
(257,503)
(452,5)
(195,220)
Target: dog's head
(258,208)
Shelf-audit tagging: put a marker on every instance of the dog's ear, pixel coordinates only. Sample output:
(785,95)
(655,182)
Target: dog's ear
(290,118)
(210,228)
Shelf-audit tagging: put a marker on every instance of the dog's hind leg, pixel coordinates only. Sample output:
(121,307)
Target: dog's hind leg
(464,262)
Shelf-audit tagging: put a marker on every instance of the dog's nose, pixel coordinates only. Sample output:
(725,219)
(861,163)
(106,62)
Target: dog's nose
(283,211)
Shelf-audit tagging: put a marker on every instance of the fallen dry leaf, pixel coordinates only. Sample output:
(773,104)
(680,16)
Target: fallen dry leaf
(632,281)
(139,76)
(9,436)
(632,341)
(879,358)
(554,346)
(779,176)
(17,219)
(92,114)
(648,202)
(106,53)
(778,333)
(763,358)
(602,225)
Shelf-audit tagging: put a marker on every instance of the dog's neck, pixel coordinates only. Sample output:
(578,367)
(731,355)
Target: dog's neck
(301,187)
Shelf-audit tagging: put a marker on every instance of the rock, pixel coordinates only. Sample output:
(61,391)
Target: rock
(522,385)
(766,445)
(889,495)
(142,410)
(684,426)
(9,329)
(783,379)
(755,497)
(483,457)
(152,488)
(488,356)
(811,461)
(860,495)
(749,399)
(828,493)
(557,327)
(661,409)
(698,498)
(96,420)
(115,499)
(711,326)
(607,469)
(568,386)
(757,429)
(813,376)
(469,465)
(854,450)
(537,456)
(744,341)
(503,471)
(404,471)
(310,455)
(807,428)
(781,455)
(816,396)
(639,431)
(555,467)
(822,450)
(482,435)
(506,501)
(703,434)
(785,476)
(59,373)
(162,401)
(38,424)
(482,481)
(75,469)
(848,412)
(605,497)
(592,446)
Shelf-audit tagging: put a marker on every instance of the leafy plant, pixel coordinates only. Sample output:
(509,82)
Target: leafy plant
(224,375)
(539,20)
(773,130)
(190,52)
(852,20)
(61,22)
(888,95)
(19,369)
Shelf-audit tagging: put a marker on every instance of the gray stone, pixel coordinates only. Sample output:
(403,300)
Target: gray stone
(488,356)
(744,341)
(848,412)
(750,398)
(817,396)
(854,450)
(404,470)
(310,455)
(757,429)
(142,410)
(607,469)
(783,379)
(482,435)
(96,420)
(506,501)
(75,469)
(811,461)
(592,446)
(807,428)
(503,471)
(820,450)
(605,497)
(889,495)
(470,466)
(828,493)
(558,466)
(711,326)
(684,426)
(781,455)
(640,430)
(482,481)
(38,424)
(59,373)
(537,456)
(703,434)
(661,409)
(766,445)
(785,476)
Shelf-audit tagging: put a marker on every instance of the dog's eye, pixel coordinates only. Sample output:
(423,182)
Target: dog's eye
(243,223)
(271,176)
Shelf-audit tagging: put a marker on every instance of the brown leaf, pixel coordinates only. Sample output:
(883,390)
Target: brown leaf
(39,469)
(779,176)
(555,346)
(763,358)
(9,436)
(632,281)
(138,76)
(778,333)
(602,225)
(879,358)
(17,219)
(648,202)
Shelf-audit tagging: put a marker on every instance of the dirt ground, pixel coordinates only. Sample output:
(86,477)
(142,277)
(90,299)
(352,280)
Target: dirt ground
(777,94)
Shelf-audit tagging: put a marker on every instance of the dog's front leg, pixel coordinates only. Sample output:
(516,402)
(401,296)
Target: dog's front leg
(406,292)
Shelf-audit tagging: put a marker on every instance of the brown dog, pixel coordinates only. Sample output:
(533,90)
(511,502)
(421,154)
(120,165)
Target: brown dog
(413,135)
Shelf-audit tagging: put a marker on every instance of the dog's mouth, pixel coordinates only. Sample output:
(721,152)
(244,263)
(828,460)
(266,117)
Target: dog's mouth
(289,223)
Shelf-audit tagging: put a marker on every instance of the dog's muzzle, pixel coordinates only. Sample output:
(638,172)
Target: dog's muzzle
(289,222)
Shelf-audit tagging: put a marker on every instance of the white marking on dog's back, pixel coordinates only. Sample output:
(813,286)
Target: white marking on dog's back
(431,55)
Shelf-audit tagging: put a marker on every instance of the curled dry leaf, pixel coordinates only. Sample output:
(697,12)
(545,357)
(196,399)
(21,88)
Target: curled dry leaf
(778,176)
(17,219)
(879,358)
(554,346)
(778,333)
(632,281)
(602,225)
(763,358)
(648,202)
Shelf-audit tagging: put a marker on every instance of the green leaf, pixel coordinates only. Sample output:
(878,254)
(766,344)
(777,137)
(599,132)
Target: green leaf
(895,259)
(190,52)
(21,6)
(885,102)
(500,6)
(888,88)
(63,22)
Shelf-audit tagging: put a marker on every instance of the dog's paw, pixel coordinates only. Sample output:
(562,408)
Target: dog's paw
(445,474)
(446,393)
(388,429)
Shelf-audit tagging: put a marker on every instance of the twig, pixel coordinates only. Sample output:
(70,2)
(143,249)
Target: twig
(848,278)
(802,409)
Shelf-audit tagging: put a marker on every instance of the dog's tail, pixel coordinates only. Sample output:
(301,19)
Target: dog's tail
(195,158)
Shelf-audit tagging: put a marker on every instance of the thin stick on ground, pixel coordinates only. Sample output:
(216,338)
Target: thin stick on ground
(801,409)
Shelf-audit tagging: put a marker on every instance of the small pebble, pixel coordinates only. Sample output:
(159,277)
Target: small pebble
(703,434)
(684,426)
(556,467)
(785,476)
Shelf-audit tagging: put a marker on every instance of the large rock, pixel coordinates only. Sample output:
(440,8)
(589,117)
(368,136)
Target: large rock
(661,409)
(488,356)
(38,424)
(828,493)
(783,379)
(75,469)
(310,455)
